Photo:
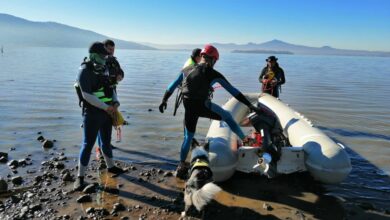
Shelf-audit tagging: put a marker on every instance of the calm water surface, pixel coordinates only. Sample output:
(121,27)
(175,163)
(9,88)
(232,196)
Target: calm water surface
(347,97)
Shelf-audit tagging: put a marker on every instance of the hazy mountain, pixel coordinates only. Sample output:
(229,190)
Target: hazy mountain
(16,31)
(277,45)
(173,46)
(21,32)
(263,51)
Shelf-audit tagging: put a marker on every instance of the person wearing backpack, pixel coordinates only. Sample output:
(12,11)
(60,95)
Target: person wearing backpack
(99,103)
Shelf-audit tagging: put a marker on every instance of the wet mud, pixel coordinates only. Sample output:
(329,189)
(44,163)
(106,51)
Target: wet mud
(36,187)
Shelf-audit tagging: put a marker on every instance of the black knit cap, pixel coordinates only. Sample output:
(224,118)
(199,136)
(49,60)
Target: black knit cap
(196,52)
(98,47)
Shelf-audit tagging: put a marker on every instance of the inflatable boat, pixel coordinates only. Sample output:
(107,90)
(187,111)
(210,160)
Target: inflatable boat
(307,148)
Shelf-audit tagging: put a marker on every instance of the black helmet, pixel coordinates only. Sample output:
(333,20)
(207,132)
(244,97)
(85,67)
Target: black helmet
(98,47)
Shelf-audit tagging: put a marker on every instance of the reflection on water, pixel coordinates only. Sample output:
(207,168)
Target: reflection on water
(366,183)
(352,133)
(347,97)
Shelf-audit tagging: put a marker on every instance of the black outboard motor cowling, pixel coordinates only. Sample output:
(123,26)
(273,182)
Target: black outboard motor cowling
(267,124)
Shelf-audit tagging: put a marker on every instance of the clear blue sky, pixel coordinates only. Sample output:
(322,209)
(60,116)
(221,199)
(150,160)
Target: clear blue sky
(349,24)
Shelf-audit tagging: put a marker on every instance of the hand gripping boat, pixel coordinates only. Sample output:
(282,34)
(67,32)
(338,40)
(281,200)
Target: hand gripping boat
(309,149)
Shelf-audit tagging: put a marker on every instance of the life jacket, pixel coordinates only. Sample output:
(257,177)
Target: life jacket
(270,75)
(189,62)
(103,91)
(103,96)
(268,80)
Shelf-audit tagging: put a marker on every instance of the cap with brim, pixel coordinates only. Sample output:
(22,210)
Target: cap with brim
(271,58)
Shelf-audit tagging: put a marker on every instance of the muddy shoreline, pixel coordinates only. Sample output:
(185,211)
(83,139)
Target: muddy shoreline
(34,188)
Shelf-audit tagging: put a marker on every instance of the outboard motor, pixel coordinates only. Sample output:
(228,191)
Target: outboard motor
(267,124)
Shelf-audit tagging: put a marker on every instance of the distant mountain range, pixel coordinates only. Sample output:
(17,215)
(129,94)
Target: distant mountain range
(16,31)
(263,51)
(277,46)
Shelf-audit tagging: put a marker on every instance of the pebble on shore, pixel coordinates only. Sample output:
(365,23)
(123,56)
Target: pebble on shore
(3,185)
(47,144)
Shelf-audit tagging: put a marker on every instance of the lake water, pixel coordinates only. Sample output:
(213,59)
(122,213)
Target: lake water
(347,97)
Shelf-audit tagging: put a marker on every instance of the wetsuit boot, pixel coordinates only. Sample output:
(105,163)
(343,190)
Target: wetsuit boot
(182,170)
(79,184)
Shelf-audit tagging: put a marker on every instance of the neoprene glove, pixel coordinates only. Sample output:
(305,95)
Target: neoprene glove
(162,107)
(163,104)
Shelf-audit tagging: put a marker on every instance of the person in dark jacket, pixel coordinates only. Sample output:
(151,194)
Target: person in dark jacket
(99,104)
(114,68)
(272,77)
(115,74)
(196,84)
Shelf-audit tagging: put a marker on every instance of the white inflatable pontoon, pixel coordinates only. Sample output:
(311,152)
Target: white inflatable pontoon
(312,150)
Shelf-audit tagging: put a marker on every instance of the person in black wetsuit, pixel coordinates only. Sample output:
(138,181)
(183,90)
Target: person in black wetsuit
(196,84)
(272,77)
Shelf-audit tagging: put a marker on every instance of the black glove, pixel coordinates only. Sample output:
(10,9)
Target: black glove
(162,106)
